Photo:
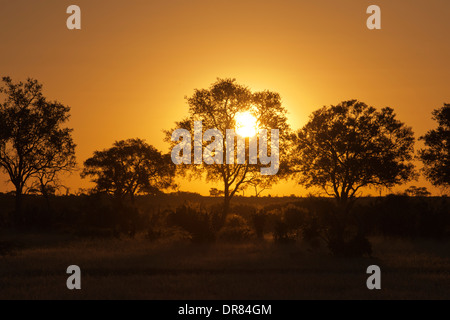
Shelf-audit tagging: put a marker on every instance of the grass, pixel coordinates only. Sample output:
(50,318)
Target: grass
(140,269)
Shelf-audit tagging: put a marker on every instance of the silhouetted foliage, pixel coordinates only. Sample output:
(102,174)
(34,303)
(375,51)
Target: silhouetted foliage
(403,216)
(436,155)
(311,220)
(289,223)
(33,143)
(282,233)
(417,191)
(198,223)
(259,221)
(214,192)
(350,146)
(315,221)
(259,183)
(128,168)
(235,229)
(347,147)
(217,107)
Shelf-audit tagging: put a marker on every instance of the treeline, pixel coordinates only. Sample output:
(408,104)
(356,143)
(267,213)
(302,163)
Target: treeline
(342,150)
(198,219)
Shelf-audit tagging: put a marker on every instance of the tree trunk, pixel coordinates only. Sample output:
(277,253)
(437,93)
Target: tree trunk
(19,202)
(132,198)
(46,196)
(226,207)
(226,204)
(47,201)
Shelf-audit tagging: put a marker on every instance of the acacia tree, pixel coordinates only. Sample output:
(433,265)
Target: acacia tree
(259,184)
(214,192)
(48,182)
(414,191)
(436,154)
(217,108)
(33,142)
(128,168)
(350,146)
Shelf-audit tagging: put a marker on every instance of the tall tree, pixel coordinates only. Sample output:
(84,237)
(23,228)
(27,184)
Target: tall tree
(33,141)
(128,168)
(436,154)
(218,108)
(349,146)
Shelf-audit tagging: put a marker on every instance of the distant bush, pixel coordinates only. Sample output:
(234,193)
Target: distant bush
(288,226)
(168,233)
(195,221)
(403,216)
(244,210)
(259,221)
(282,233)
(235,229)
(316,221)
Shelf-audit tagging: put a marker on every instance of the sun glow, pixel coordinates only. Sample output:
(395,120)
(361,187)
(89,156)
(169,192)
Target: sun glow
(246,125)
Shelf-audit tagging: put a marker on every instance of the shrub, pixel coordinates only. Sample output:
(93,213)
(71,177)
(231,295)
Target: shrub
(235,229)
(259,221)
(171,233)
(288,227)
(195,221)
(235,221)
(403,216)
(282,234)
(312,231)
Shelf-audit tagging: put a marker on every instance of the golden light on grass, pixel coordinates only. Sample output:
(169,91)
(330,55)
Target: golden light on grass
(246,125)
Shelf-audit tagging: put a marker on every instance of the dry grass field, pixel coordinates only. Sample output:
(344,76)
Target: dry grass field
(171,269)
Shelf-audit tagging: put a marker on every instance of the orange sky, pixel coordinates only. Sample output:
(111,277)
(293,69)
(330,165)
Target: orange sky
(125,74)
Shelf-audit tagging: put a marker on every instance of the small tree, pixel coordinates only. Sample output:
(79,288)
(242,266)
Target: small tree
(436,154)
(33,143)
(47,183)
(214,192)
(128,168)
(414,191)
(260,183)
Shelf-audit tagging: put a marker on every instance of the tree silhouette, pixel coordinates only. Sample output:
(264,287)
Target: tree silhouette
(260,183)
(33,143)
(436,155)
(414,191)
(128,168)
(217,108)
(47,182)
(350,146)
(214,192)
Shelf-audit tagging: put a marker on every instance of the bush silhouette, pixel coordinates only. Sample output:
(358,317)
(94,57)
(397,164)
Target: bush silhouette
(259,221)
(198,223)
(235,229)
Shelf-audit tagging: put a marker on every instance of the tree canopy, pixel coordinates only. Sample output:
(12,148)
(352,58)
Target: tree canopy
(130,167)
(348,146)
(218,107)
(436,154)
(33,142)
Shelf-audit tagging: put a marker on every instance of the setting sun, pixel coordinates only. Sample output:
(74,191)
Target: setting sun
(246,124)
